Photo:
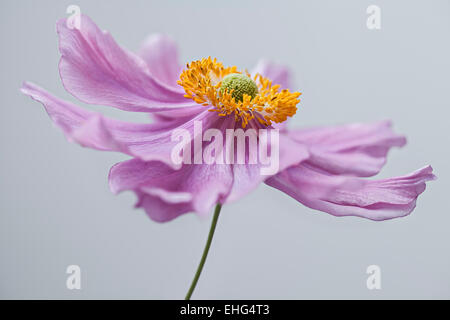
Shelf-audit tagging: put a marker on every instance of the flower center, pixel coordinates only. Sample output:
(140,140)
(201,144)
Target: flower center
(227,91)
(239,84)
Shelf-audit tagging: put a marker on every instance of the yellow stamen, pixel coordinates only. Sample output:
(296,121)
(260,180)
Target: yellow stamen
(202,82)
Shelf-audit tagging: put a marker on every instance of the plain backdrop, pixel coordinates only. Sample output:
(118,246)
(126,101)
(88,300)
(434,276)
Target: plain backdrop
(57,210)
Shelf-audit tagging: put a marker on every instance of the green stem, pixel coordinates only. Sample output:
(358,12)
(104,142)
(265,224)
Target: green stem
(205,251)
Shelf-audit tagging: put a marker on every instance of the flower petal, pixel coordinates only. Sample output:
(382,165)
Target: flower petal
(248,177)
(175,186)
(170,115)
(161,55)
(90,129)
(349,196)
(276,73)
(96,70)
(159,210)
(166,193)
(355,149)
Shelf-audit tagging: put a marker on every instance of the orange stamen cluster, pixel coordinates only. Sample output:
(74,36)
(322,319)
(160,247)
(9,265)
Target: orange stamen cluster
(202,83)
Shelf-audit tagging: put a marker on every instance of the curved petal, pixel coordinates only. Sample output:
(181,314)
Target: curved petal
(355,149)
(348,196)
(166,193)
(161,55)
(192,185)
(159,210)
(276,73)
(90,129)
(96,70)
(247,177)
(170,115)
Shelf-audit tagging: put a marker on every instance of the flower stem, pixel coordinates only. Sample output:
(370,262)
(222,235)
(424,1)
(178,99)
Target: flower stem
(205,251)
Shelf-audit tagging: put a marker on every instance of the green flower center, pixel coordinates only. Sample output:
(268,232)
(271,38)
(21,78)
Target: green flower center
(240,84)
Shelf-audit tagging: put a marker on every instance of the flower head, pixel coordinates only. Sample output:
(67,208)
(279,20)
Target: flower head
(229,91)
(323,168)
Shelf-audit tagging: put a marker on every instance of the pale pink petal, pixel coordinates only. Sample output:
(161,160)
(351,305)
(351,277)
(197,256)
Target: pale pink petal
(158,210)
(355,149)
(170,115)
(349,196)
(248,177)
(200,186)
(98,71)
(144,141)
(161,55)
(276,73)
(166,193)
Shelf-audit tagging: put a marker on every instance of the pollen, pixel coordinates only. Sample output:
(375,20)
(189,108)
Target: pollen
(228,91)
(239,84)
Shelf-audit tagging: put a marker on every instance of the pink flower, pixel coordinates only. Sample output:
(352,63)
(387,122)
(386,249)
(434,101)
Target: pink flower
(321,167)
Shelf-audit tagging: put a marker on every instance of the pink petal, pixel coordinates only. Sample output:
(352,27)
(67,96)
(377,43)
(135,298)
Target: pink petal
(248,177)
(349,196)
(98,71)
(144,141)
(276,73)
(170,115)
(166,193)
(198,187)
(159,210)
(355,149)
(161,55)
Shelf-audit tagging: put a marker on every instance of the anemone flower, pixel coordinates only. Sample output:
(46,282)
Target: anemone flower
(321,168)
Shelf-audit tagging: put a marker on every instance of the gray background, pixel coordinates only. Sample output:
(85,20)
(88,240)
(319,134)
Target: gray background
(57,210)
